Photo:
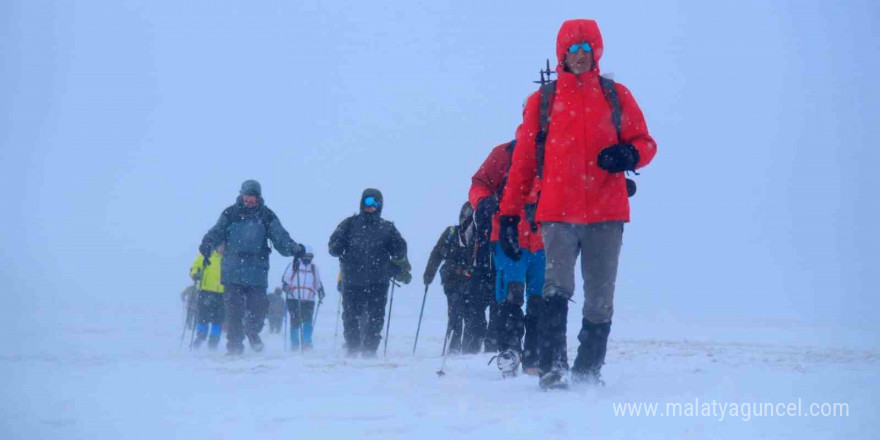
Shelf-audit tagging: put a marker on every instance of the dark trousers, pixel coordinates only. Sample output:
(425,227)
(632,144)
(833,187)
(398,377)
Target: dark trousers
(455,323)
(534,307)
(472,306)
(275,324)
(301,311)
(369,302)
(211,310)
(246,308)
(209,317)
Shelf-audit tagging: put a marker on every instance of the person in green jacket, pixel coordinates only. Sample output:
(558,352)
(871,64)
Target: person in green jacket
(210,298)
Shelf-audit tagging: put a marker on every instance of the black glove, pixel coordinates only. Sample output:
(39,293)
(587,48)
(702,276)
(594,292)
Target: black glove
(428,278)
(618,158)
(486,209)
(285,288)
(402,270)
(205,249)
(321,295)
(508,236)
(404,277)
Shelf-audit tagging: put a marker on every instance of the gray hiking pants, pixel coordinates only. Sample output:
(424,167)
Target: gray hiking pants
(599,247)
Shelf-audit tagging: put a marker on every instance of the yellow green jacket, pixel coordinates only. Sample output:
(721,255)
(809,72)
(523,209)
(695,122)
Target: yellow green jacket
(210,274)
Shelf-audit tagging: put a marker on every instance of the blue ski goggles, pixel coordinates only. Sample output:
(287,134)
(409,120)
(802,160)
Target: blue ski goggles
(585,46)
(371,201)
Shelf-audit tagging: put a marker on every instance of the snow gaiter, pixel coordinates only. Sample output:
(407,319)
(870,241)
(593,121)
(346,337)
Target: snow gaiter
(530,344)
(551,334)
(512,325)
(591,352)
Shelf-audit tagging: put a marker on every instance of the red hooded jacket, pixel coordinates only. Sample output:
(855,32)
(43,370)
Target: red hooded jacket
(488,180)
(574,189)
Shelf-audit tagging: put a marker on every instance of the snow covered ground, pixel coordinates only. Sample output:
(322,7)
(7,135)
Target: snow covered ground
(122,376)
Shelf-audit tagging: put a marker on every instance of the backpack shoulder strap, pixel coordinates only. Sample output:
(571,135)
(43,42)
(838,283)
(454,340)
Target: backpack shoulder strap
(548,90)
(613,99)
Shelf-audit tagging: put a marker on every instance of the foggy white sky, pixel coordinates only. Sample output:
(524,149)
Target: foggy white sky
(129,125)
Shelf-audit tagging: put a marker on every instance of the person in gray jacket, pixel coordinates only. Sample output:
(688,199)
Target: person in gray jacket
(246,227)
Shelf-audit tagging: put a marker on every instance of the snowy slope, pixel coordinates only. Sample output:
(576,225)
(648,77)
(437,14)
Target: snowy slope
(116,377)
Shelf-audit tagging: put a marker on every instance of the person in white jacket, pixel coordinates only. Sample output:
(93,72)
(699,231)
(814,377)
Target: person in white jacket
(302,285)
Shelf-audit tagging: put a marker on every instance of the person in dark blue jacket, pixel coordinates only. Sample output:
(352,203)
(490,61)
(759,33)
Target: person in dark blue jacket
(246,227)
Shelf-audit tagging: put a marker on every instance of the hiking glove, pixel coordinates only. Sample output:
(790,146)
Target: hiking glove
(404,277)
(205,250)
(486,209)
(618,158)
(508,236)
(428,278)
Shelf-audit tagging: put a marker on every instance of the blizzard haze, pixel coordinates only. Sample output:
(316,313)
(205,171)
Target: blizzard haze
(129,126)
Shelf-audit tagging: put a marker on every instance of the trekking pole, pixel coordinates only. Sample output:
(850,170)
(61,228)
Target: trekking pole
(388,326)
(186,315)
(299,310)
(195,319)
(440,372)
(198,300)
(338,312)
(286,299)
(315,316)
(422,313)
(286,334)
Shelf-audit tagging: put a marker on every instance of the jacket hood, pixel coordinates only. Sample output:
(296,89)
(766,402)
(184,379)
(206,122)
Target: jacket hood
(376,194)
(576,31)
(466,215)
(251,188)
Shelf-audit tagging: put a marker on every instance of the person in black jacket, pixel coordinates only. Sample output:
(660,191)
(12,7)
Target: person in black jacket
(371,252)
(454,249)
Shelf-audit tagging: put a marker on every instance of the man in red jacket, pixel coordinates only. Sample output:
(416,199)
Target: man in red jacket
(518,282)
(583,197)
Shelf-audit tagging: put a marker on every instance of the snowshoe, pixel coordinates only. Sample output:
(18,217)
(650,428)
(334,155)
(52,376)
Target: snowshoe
(508,362)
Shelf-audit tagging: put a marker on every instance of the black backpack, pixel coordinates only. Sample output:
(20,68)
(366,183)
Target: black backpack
(548,92)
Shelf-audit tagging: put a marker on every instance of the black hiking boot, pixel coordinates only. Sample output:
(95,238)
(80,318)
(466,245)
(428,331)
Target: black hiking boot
(555,379)
(256,343)
(233,350)
(591,353)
